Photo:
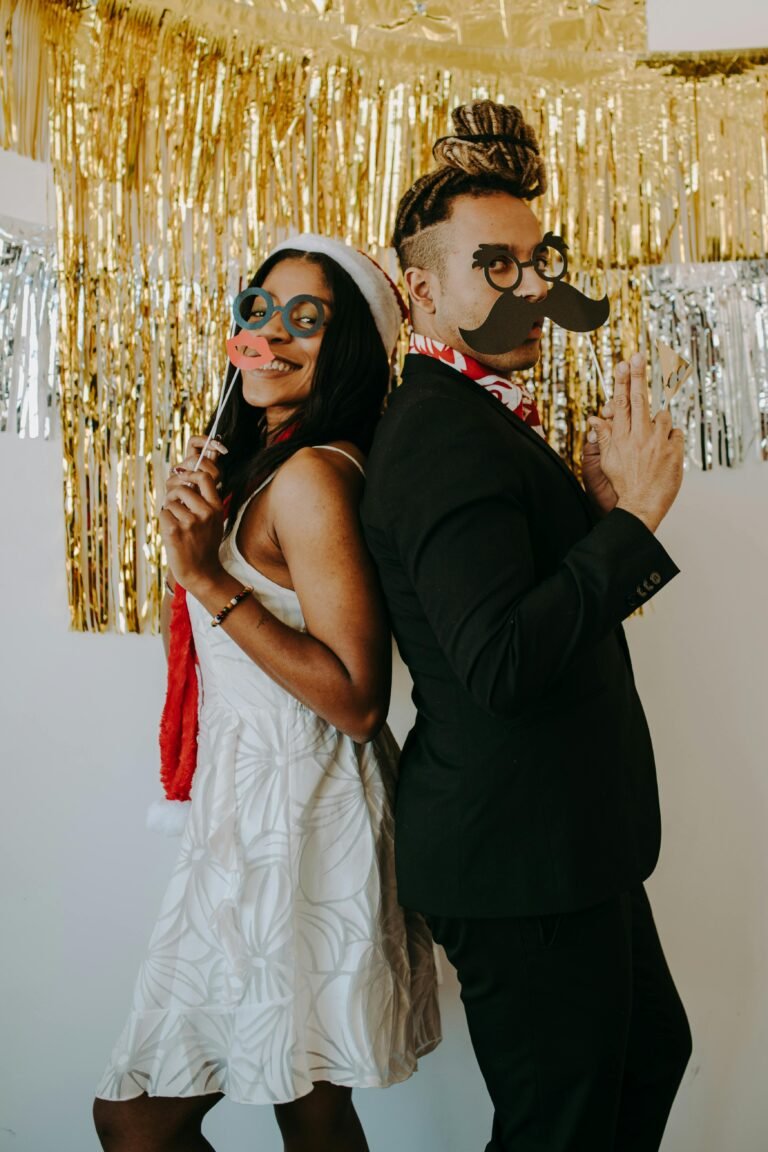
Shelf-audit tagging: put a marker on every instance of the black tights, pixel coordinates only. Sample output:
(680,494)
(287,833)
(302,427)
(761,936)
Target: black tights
(323,1121)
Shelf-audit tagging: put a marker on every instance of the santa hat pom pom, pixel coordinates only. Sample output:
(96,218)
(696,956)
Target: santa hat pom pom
(168,816)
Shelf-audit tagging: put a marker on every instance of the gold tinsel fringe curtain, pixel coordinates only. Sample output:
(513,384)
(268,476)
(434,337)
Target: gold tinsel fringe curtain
(187,137)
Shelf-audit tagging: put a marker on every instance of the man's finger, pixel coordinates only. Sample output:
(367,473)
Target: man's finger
(662,422)
(638,393)
(620,399)
(600,432)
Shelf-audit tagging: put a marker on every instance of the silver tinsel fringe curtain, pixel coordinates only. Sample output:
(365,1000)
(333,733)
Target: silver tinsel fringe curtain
(716,316)
(29,382)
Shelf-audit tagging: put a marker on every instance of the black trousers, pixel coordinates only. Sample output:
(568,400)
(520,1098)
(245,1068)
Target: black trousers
(576,1024)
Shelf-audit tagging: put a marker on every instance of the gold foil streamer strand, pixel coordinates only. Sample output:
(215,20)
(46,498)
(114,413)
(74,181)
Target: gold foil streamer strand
(23,103)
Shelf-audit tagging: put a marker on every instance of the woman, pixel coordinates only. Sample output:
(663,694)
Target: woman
(281,969)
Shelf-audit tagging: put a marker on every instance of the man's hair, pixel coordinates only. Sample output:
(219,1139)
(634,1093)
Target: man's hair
(492,150)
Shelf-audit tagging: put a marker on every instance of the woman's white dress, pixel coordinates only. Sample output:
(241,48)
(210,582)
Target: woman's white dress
(280,955)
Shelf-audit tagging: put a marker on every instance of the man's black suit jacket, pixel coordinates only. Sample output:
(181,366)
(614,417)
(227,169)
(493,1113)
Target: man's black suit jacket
(527,785)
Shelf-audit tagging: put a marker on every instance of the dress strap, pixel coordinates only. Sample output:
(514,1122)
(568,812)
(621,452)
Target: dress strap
(263,485)
(246,502)
(333,448)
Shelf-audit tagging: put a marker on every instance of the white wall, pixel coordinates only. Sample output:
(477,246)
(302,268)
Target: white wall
(26,189)
(81,879)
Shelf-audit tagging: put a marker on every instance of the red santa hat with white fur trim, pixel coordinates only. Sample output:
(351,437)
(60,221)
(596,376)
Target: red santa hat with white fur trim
(380,291)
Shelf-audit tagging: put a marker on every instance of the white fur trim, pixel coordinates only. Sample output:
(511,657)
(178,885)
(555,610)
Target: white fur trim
(168,816)
(372,281)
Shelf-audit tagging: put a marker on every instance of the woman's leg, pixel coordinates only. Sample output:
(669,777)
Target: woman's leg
(153,1123)
(323,1121)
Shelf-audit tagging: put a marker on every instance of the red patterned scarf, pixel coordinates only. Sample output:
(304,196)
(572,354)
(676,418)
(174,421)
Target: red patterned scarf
(511,395)
(178,723)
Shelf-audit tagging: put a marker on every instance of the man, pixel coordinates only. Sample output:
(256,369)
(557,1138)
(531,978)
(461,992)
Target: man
(527,812)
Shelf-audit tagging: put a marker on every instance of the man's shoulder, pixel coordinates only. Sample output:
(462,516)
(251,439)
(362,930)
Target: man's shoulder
(439,435)
(431,396)
(421,418)
(429,375)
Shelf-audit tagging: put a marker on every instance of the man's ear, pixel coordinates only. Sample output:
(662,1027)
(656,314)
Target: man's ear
(421,284)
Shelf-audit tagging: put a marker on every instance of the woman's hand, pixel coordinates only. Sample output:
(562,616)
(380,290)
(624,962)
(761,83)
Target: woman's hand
(192,517)
(210,458)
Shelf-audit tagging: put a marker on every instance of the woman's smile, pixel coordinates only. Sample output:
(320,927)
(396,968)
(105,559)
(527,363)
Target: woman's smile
(266,384)
(275,366)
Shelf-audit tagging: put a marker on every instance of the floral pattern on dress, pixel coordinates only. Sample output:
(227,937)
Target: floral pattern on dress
(280,955)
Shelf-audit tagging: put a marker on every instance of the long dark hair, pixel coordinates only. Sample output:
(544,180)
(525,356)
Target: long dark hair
(350,382)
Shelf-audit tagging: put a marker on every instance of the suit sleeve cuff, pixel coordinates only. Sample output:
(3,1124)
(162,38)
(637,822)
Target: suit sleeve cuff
(639,566)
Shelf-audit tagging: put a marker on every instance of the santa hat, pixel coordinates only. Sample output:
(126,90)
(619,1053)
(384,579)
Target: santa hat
(178,725)
(380,291)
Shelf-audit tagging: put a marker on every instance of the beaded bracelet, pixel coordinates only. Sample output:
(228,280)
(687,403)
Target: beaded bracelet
(238,599)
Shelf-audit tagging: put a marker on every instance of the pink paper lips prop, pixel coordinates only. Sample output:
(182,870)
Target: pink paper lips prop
(236,346)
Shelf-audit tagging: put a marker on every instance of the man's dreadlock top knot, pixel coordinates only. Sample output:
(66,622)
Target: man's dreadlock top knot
(494,138)
(492,149)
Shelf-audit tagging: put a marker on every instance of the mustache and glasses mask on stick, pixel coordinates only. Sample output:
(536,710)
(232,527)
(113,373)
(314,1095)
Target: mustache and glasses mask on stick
(511,318)
(303,316)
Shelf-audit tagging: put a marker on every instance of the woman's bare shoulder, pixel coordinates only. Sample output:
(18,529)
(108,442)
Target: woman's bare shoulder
(317,473)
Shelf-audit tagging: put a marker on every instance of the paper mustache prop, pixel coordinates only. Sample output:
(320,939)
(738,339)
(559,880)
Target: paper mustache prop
(512,317)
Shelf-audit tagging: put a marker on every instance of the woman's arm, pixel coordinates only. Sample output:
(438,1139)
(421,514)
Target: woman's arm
(340,668)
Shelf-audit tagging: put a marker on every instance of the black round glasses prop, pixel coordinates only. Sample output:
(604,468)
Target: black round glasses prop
(504,271)
(303,316)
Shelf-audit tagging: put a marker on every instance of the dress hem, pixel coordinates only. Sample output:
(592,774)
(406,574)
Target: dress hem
(430,1046)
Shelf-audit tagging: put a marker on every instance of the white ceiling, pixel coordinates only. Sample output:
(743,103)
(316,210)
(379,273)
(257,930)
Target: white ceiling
(706,25)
